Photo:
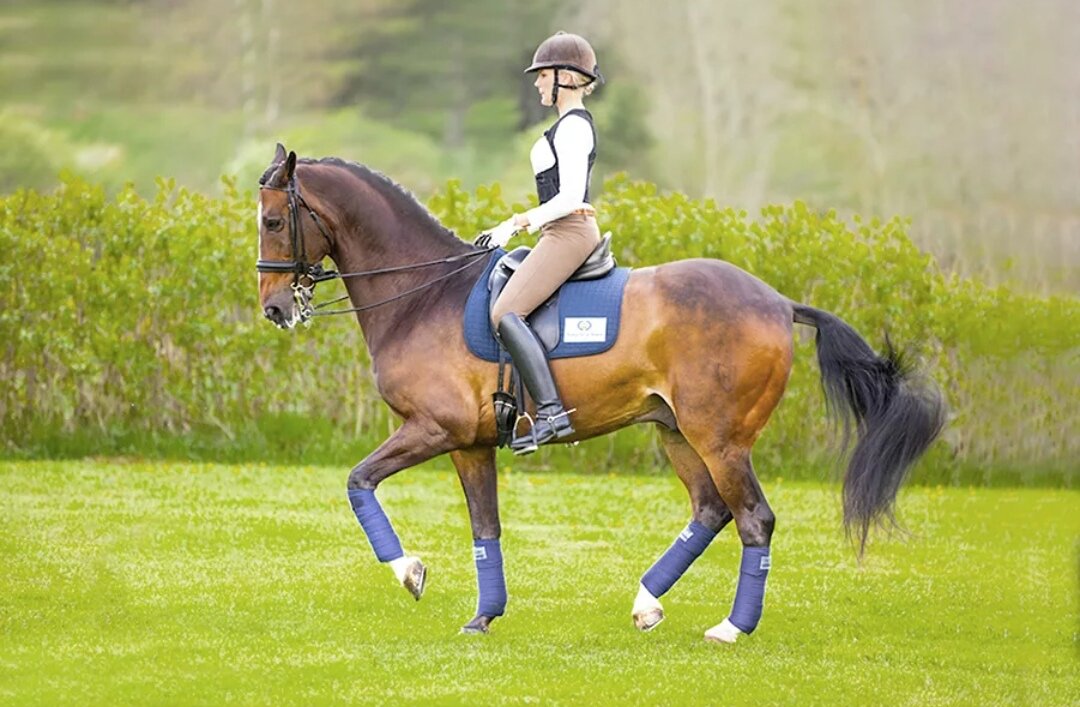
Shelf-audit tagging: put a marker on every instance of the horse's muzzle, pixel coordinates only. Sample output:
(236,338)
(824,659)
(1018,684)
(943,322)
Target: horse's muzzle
(275,315)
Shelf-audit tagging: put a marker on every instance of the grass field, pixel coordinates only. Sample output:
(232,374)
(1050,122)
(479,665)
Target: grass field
(169,583)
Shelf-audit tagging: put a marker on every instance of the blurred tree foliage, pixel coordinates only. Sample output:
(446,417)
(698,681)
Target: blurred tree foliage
(961,115)
(431,66)
(35,163)
(454,73)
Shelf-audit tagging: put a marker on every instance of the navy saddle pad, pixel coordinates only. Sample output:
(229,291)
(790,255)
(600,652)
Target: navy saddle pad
(583,315)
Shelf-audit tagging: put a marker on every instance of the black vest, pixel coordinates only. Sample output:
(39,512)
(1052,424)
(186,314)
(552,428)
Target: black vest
(547,182)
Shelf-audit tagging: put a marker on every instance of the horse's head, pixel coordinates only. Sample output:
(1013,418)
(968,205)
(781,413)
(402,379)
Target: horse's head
(292,243)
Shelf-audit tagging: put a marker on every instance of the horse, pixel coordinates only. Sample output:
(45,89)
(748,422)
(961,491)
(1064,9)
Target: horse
(704,351)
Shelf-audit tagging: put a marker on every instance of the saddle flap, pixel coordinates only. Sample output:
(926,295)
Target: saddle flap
(544,320)
(513,259)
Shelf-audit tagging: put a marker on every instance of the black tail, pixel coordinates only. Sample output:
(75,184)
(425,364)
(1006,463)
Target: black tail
(896,416)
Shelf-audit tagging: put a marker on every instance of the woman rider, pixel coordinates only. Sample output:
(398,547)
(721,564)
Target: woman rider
(562,161)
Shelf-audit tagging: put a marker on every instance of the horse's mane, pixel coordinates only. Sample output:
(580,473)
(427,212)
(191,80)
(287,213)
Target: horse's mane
(389,189)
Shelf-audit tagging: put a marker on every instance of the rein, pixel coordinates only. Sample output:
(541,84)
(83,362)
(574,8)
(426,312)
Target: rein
(307,275)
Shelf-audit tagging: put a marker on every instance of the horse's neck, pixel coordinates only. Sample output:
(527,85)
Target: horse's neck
(385,234)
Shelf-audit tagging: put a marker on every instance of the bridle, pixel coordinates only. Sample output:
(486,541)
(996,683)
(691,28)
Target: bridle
(306,275)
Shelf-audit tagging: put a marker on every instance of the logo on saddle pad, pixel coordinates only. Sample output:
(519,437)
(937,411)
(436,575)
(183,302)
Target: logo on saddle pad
(584,330)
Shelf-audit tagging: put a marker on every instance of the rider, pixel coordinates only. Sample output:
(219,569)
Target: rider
(562,161)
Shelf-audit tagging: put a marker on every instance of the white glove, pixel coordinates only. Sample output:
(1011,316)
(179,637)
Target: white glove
(498,236)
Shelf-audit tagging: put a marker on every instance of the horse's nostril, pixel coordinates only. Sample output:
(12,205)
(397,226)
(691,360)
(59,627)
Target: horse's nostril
(272,313)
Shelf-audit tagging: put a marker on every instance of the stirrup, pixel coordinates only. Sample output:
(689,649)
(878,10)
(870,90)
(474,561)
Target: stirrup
(526,448)
(529,442)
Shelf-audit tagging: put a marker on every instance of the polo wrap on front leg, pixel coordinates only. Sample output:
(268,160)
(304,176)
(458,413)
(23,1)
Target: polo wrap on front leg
(384,541)
(489,578)
(750,595)
(673,564)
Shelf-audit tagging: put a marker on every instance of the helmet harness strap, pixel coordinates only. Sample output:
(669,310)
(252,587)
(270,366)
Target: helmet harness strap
(555,86)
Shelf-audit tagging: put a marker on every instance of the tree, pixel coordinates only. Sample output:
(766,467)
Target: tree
(427,63)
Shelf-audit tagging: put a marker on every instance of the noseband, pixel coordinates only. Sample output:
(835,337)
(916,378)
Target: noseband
(306,275)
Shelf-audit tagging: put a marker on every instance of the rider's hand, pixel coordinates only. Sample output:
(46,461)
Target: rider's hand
(499,236)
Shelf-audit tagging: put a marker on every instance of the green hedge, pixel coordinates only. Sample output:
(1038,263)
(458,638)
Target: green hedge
(131,326)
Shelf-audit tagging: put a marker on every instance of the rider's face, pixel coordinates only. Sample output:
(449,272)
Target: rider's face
(545,79)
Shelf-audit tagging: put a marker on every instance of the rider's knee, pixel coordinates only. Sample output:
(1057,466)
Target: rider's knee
(497,314)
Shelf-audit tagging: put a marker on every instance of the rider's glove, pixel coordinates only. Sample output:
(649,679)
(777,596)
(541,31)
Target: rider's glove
(499,236)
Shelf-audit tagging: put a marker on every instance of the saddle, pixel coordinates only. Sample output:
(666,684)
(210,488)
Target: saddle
(544,320)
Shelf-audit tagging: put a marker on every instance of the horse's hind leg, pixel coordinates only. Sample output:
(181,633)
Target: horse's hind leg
(722,422)
(710,515)
(739,487)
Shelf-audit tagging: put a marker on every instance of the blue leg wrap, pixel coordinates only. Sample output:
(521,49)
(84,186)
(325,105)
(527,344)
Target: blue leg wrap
(384,541)
(673,563)
(490,578)
(750,596)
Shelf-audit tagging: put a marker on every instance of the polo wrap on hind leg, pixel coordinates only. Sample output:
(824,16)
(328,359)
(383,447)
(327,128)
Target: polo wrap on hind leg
(750,595)
(489,578)
(673,564)
(384,541)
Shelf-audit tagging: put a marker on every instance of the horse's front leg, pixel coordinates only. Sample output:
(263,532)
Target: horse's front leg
(476,469)
(415,442)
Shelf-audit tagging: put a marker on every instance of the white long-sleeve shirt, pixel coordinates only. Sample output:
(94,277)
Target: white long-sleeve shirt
(573,144)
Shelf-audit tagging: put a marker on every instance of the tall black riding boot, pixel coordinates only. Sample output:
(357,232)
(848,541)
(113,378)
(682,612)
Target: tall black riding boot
(552,420)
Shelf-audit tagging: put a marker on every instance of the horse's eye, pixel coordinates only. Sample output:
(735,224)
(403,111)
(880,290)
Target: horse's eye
(274,224)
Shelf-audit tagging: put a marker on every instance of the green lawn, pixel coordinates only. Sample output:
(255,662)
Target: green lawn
(169,583)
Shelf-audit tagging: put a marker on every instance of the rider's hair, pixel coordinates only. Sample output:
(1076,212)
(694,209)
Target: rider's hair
(569,77)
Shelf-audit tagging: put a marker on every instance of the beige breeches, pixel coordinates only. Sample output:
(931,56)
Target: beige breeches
(563,246)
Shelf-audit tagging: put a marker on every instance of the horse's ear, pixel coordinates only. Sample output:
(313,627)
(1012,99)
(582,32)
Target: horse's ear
(290,166)
(279,154)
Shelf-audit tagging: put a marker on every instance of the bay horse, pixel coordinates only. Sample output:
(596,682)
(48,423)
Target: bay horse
(704,351)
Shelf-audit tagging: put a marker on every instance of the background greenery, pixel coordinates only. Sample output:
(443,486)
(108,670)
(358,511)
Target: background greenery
(142,334)
(128,317)
(959,114)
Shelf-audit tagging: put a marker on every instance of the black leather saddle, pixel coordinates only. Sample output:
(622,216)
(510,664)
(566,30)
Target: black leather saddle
(545,319)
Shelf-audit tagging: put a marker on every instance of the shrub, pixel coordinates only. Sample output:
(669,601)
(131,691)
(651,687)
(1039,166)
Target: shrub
(128,321)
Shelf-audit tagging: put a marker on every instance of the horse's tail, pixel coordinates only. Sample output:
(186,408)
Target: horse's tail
(896,414)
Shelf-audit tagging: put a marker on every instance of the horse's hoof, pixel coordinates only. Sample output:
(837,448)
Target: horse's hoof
(648,619)
(478,625)
(414,577)
(723,632)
